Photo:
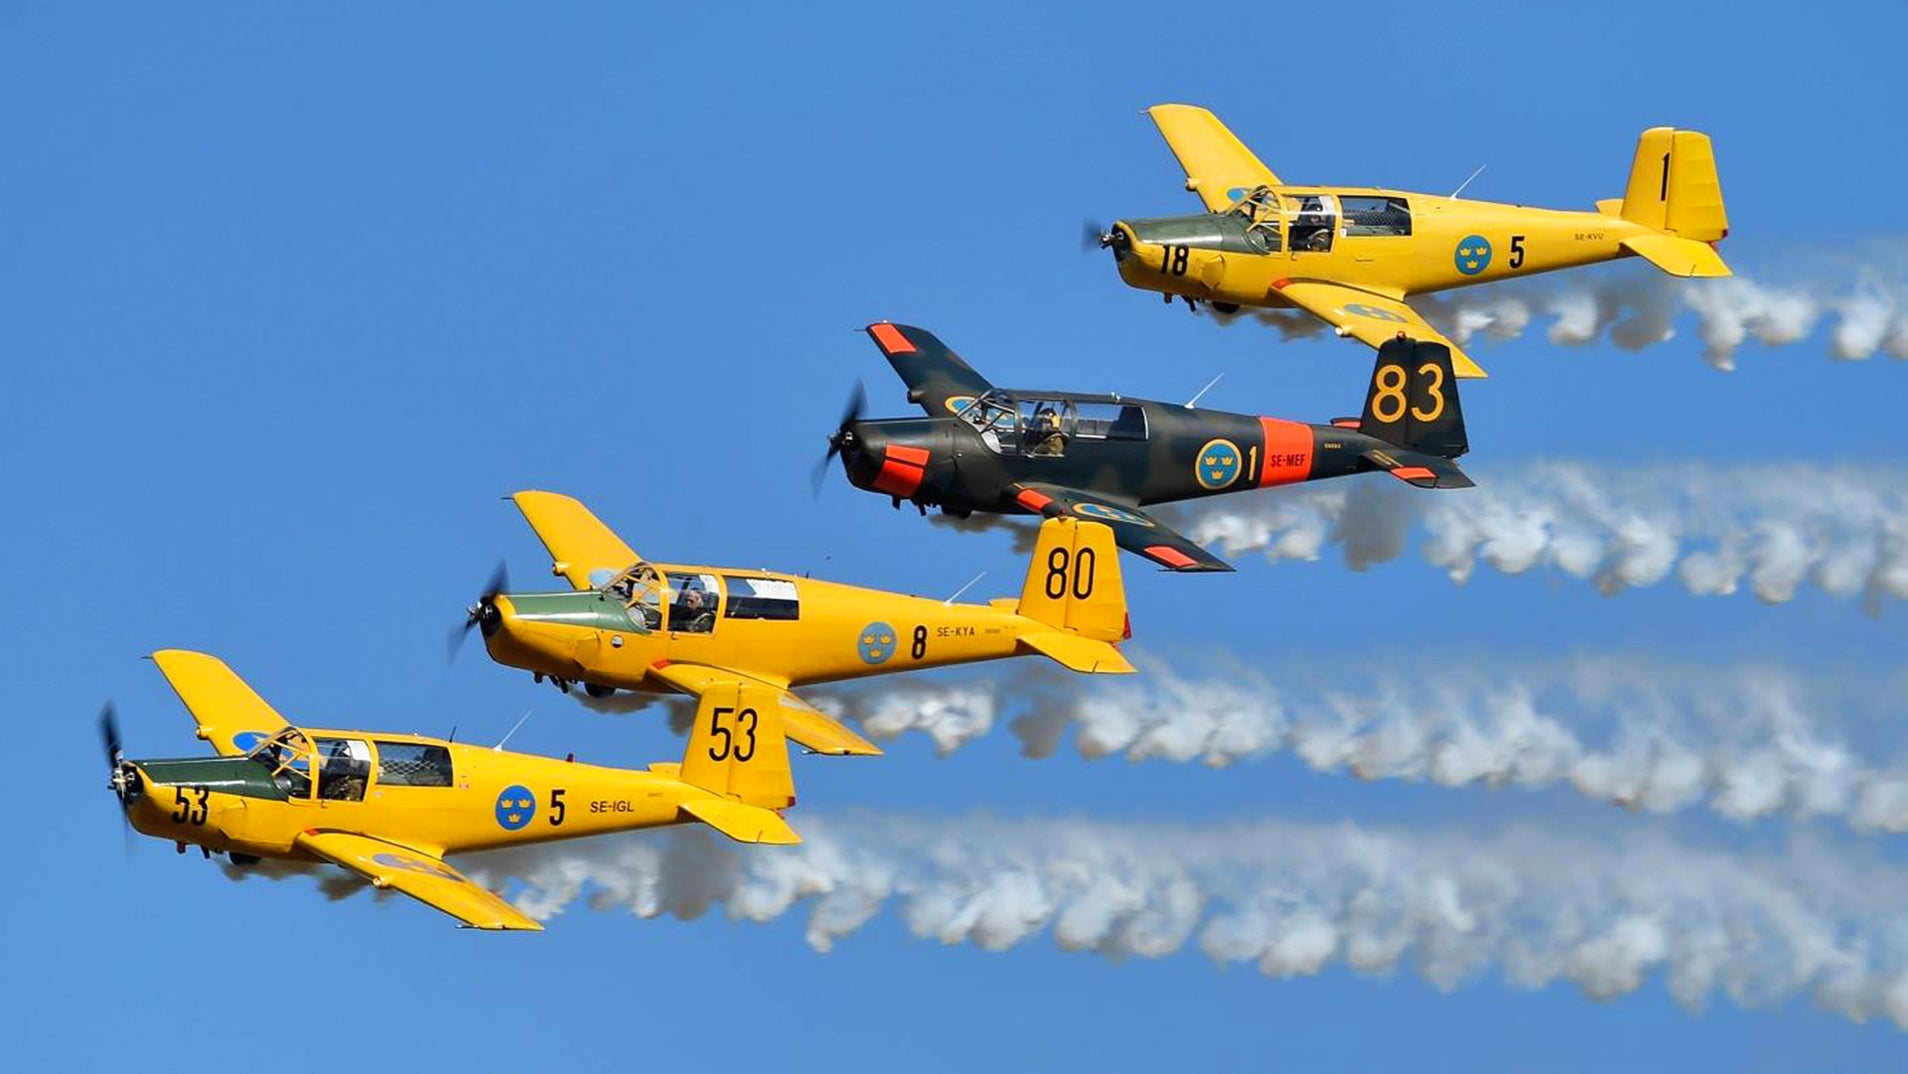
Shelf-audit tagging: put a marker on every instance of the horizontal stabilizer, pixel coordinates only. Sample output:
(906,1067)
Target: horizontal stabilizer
(1076,653)
(743,823)
(1417,468)
(1678,256)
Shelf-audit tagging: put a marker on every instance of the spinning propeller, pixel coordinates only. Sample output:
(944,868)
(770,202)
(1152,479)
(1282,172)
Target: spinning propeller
(844,434)
(122,780)
(485,608)
(1094,236)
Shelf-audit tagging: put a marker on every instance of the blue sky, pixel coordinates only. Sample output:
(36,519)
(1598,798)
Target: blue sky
(293,296)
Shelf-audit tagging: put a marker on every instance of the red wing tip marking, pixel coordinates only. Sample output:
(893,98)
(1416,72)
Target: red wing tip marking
(1033,501)
(1346,423)
(1170,556)
(890,339)
(1413,473)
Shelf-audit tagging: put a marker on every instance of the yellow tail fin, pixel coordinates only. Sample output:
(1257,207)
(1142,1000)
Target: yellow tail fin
(737,748)
(1073,582)
(1673,186)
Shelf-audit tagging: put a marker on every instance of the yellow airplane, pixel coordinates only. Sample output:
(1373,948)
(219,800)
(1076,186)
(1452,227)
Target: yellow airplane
(1351,256)
(668,628)
(390,807)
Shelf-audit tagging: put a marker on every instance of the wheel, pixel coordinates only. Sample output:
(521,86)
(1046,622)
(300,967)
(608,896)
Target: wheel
(242,859)
(1225,307)
(598,691)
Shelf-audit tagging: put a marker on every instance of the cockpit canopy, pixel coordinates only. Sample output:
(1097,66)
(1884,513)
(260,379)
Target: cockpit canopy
(1043,424)
(690,601)
(344,763)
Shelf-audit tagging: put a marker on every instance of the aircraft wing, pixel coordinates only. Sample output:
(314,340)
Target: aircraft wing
(934,373)
(582,549)
(817,732)
(1133,529)
(1371,318)
(1219,167)
(230,714)
(419,875)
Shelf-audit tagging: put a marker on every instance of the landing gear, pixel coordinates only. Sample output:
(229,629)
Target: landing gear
(1225,307)
(598,691)
(242,859)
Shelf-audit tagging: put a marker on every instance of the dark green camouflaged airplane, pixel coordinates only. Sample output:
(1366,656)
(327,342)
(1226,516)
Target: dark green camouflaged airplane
(1105,457)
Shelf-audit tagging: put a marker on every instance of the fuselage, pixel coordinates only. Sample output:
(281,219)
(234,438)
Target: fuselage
(1391,242)
(1150,453)
(435,796)
(781,628)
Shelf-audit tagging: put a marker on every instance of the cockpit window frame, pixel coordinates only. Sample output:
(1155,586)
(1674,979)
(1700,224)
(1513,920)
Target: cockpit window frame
(282,753)
(643,581)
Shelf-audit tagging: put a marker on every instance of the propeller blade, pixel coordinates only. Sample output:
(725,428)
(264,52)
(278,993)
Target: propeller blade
(499,581)
(857,404)
(109,735)
(115,753)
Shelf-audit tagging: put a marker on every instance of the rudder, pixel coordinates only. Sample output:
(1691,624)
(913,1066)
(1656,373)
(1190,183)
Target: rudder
(1413,399)
(1073,581)
(1674,187)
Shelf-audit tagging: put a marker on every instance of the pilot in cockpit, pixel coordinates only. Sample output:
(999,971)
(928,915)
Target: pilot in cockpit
(1044,433)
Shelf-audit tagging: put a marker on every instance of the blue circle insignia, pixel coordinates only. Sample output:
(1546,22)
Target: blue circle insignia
(1218,464)
(515,806)
(1473,254)
(1106,513)
(957,403)
(875,643)
(247,741)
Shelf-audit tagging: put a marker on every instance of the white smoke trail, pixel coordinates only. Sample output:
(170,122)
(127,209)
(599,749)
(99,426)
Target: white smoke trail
(1774,527)
(1292,899)
(1636,307)
(1742,742)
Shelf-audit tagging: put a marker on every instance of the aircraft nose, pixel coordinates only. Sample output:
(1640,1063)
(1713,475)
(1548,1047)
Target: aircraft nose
(129,783)
(862,450)
(1120,240)
(490,613)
